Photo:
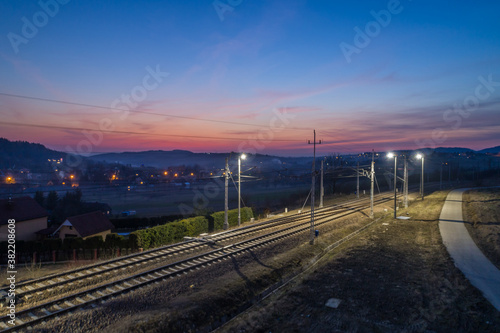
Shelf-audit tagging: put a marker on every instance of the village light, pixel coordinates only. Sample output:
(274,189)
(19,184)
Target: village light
(241,157)
(391,155)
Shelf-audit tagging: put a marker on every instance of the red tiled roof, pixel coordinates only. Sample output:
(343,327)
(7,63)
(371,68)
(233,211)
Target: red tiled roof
(90,223)
(20,209)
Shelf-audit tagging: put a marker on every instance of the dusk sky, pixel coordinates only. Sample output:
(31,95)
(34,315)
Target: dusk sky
(250,75)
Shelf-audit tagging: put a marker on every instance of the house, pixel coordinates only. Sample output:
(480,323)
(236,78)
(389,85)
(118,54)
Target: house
(85,226)
(30,218)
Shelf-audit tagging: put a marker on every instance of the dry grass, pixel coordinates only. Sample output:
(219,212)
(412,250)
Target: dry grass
(397,277)
(482,212)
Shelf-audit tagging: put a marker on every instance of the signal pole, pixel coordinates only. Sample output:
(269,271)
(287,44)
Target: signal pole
(322,189)
(422,179)
(357,180)
(312,186)
(372,177)
(226,204)
(441,177)
(406,183)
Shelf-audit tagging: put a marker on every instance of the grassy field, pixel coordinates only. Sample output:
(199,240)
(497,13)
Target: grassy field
(395,277)
(167,201)
(482,212)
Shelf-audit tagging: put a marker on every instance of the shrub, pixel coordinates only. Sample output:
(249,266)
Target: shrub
(70,243)
(95,242)
(176,231)
(114,241)
(134,240)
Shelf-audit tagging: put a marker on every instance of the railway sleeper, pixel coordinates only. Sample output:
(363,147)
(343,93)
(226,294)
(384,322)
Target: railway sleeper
(69,304)
(80,300)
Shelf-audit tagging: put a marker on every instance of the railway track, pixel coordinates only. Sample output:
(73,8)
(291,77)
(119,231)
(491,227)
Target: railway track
(90,297)
(57,282)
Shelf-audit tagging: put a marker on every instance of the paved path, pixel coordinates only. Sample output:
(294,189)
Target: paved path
(467,256)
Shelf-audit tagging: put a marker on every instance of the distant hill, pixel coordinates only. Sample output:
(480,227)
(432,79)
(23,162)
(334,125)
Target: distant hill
(492,150)
(453,150)
(160,158)
(163,159)
(22,154)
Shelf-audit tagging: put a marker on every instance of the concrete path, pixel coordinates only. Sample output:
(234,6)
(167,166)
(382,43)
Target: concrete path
(467,256)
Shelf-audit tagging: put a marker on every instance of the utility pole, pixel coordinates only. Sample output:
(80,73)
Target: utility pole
(422,180)
(242,156)
(357,180)
(372,177)
(449,173)
(321,189)
(441,177)
(312,186)
(226,204)
(393,155)
(406,182)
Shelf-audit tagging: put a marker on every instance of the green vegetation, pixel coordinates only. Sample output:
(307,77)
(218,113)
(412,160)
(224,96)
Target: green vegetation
(193,226)
(145,238)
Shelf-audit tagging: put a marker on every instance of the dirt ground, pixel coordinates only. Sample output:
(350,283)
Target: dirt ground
(396,276)
(482,211)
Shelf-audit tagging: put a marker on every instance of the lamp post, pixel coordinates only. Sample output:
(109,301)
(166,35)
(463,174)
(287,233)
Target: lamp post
(225,226)
(241,157)
(391,155)
(421,157)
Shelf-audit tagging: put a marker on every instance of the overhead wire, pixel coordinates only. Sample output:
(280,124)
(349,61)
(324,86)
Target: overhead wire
(134,133)
(141,111)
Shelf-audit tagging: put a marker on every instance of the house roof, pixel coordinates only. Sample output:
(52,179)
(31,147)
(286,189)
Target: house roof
(20,209)
(47,231)
(90,223)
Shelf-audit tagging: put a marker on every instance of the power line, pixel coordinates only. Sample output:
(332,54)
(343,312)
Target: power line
(135,133)
(139,111)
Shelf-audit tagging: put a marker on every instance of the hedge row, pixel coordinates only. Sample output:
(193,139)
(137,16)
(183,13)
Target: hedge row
(96,242)
(193,226)
(143,222)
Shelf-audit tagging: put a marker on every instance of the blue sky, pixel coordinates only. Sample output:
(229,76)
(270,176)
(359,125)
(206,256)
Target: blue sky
(404,87)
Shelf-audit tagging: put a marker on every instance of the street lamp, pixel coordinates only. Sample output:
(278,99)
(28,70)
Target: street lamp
(421,157)
(241,157)
(391,155)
